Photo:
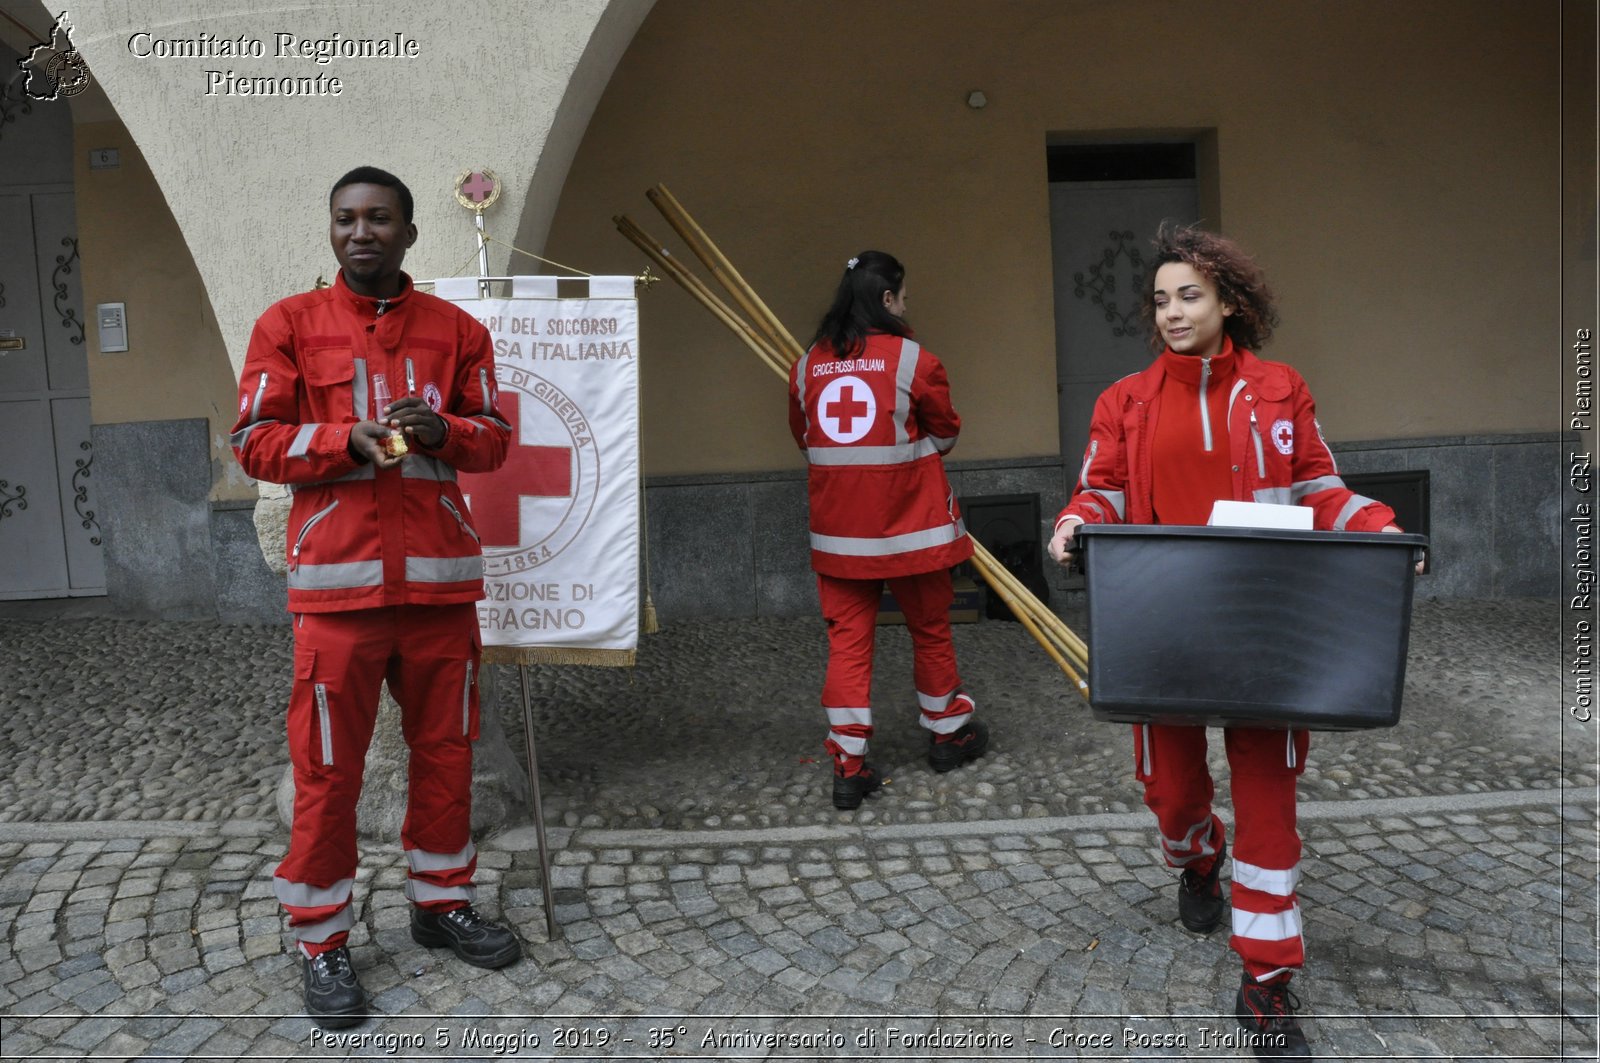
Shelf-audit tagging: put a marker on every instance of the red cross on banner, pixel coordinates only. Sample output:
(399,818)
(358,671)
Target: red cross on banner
(846,409)
(530,471)
(477,187)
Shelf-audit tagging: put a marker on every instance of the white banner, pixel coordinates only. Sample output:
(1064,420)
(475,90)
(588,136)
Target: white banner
(559,521)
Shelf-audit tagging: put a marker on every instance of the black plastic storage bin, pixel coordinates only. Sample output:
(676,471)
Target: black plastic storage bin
(1248,627)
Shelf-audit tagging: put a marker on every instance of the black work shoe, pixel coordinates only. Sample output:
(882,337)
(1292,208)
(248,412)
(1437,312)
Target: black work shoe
(1200,897)
(967,744)
(1267,1014)
(848,790)
(469,935)
(333,994)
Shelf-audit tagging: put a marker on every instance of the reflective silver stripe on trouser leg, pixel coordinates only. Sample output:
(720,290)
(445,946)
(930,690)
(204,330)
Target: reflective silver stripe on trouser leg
(854,745)
(422,860)
(1206,846)
(1144,734)
(466,702)
(419,892)
(300,895)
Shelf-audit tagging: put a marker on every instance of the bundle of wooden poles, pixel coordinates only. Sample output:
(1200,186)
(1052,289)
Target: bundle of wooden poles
(750,319)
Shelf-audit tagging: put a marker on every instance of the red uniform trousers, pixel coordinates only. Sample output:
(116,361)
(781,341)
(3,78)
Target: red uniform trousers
(1171,762)
(429,655)
(850,608)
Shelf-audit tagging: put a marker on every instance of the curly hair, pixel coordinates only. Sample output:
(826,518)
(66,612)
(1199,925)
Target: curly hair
(1240,283)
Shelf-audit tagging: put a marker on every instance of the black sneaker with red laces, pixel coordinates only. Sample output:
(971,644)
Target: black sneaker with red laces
(849,790)
(1200,897)
(966,744)
(1267,1014)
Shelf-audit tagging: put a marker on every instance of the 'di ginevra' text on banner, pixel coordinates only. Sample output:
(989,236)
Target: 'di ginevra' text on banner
(559,521)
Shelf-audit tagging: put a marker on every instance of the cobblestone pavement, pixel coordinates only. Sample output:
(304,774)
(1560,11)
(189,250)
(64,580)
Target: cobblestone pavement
(710,905)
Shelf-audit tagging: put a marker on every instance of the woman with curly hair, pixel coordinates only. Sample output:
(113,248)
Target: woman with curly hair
(1208,420)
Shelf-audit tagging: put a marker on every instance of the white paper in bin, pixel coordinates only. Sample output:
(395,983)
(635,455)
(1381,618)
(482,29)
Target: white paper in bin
(1229,514)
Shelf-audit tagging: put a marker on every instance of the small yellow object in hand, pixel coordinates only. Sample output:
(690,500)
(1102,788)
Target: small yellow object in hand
(394,444)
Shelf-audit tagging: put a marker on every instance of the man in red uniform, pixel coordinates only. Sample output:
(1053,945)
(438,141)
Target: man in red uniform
(871,409)
(384,568)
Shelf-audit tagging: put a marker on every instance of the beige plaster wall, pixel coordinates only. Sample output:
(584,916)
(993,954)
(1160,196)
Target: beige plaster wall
(240,182)
(133,253)
(1394,166)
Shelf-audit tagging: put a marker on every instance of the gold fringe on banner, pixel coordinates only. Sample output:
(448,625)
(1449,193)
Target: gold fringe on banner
(559,655)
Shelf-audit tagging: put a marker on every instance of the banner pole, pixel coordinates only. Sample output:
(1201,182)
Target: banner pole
(538,804)
(477,190)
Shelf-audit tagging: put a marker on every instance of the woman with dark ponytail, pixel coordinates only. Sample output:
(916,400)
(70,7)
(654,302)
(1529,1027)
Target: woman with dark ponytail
(871,409)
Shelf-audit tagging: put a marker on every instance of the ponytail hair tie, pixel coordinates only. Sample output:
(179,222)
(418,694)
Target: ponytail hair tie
(852,263)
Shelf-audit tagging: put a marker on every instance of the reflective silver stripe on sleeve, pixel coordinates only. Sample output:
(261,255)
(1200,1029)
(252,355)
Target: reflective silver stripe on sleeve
(483,389)
(899,454)
(1322,483)
(302,440)
(237,440)
(466,705)
(942,443)
(1267,926)
(422,860)
(324,723)
(850,546)
(443,569)
(358,390)
(419,892)
(301,895)
(339,576)
(490,418)
(800,388)
(1323,440)
(1351,508)
(426,467)
(1274,496)
(1088,460)
(360,472)
(905,372)
(1118,500)
(845,717)
(1266,879)
(255,403)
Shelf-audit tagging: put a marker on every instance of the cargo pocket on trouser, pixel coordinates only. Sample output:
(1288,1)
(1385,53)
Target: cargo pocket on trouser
(311,721)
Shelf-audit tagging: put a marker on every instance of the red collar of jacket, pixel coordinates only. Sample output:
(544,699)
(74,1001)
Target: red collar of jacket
(1271,380)
(366,304)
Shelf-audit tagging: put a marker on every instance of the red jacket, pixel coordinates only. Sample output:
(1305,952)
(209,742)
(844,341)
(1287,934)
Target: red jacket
(874,428)
(1276,447)
(360,537)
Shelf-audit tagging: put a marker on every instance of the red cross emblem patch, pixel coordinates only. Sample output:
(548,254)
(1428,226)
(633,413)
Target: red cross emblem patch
(846,409)
(1283,436)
